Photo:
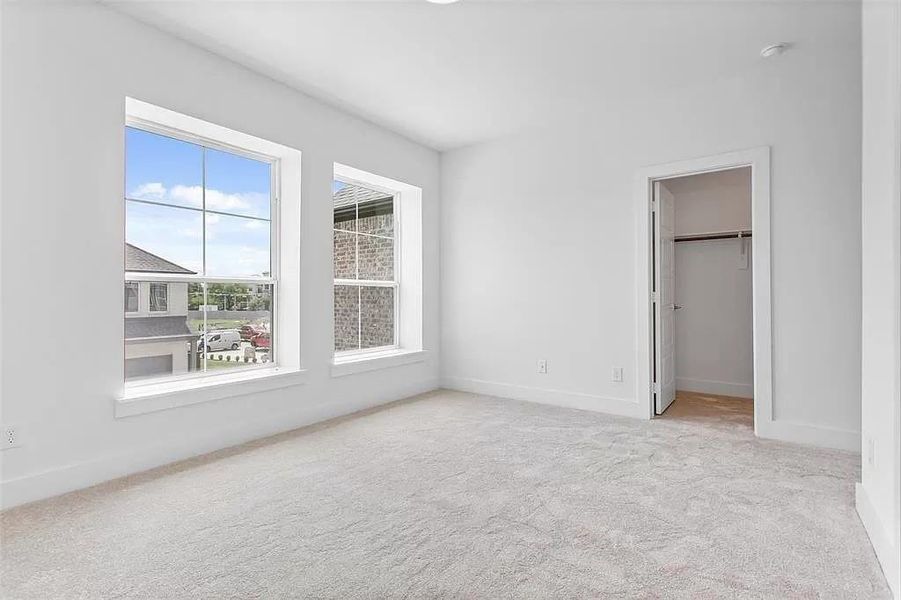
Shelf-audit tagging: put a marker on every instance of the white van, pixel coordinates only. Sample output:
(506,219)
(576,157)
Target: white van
(227,339)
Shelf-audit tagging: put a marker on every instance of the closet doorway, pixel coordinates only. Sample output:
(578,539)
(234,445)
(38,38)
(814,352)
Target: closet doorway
(703,320)
(708,289)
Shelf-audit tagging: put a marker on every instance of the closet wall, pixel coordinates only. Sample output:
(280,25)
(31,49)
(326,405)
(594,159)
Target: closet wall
(714,330)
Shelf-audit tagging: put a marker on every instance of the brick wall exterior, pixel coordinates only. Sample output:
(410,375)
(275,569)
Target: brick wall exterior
(364,316)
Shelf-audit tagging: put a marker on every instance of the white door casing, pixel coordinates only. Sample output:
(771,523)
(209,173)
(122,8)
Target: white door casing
(665,303)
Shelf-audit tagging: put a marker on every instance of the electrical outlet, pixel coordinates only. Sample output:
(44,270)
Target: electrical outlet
(617,374)
(542,366)
(10,437)
(871,452)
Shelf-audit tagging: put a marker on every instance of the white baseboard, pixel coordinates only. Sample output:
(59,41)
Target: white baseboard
(811,435)
(579,400)
(68,478)
(786,431)
(720,388)
(880,538)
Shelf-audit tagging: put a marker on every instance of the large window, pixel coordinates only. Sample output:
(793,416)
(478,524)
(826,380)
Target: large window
(200,259)
(366,269)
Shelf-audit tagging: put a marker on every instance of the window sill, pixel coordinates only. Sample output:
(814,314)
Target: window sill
(142,399)
(360,363)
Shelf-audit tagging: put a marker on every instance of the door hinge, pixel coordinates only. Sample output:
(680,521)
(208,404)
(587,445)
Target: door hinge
(653,296)
(655,388)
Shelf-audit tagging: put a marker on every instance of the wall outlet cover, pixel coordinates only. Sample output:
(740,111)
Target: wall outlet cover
(10,437)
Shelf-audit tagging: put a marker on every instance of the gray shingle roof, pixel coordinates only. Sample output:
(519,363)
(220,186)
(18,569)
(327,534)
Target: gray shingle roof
(351,194)
(139,260)
(150,327)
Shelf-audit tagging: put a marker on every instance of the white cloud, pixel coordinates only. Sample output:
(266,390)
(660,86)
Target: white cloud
(149,191)
(186,195)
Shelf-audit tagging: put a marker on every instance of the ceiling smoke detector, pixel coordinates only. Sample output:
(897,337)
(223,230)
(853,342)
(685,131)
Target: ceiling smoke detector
(775,50)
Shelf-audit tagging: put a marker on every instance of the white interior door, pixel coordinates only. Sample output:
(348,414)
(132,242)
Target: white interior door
(664,301)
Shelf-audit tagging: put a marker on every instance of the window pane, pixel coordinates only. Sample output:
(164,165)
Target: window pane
(377,216)
(344,206)
(345,255)
(237,185)
(160,345)
(376,256)
(376,317)
(162,169)
(238,325)
(163,239)
(131,296)
(237,247)
(159,297)
(347,318)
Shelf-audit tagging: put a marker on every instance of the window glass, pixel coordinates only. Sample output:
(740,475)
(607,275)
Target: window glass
(163,169)
(347,318)
(131,296)
(194,213)
(159,297)
(237,246)
(364,255)
(376,317)
(237,185)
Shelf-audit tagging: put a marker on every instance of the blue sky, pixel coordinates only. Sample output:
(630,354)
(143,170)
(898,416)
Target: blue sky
(171,172)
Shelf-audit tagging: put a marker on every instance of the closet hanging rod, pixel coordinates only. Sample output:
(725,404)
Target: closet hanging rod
(722,235)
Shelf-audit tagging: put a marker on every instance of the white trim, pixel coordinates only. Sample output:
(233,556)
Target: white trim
(880,538)
(811,435)
(285,213)
(759,161)
(367,282)
(720,388)
(356,362)
(578,400)
(154,397)
(141,276)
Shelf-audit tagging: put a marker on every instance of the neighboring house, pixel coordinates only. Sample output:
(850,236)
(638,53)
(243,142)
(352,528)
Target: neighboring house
(157,335)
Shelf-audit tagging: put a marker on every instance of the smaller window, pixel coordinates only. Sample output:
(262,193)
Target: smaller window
(159,297)
(131,296)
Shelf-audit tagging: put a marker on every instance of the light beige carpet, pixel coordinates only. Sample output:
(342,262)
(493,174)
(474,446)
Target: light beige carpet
(458,496)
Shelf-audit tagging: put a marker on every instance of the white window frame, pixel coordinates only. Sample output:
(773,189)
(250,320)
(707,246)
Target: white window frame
(407,282)
(142,396)
(167,278)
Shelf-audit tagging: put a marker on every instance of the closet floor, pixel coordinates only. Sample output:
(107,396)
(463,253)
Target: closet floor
(705,408)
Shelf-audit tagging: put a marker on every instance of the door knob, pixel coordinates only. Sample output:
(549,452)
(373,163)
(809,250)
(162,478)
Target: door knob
(677,306)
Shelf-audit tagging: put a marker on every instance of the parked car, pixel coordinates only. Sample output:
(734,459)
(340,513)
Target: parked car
(227,339)
(262,340)
(248,332)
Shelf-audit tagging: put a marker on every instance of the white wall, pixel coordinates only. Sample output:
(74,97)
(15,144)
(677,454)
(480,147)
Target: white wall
(714,327)
(538,232)
(66,73)
(712,202)
(879,495)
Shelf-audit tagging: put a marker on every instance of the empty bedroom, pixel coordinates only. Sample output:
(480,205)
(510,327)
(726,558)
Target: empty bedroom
(450,299)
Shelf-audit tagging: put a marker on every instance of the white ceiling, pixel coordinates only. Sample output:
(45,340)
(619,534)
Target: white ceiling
(453,75)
